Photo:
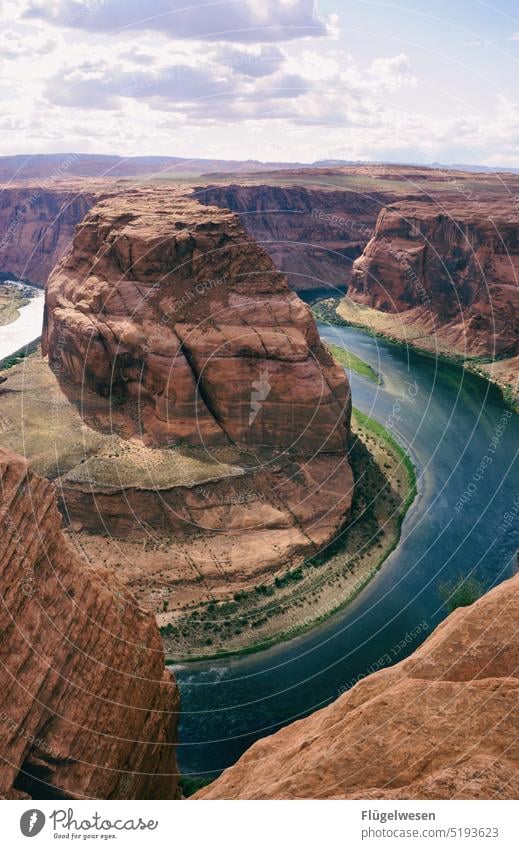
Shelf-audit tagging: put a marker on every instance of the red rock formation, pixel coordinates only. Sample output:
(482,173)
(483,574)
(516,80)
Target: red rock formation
(312,234)
(86,708)
(169,304)
(172,308)
(441,724)
(452,270)
(37,223)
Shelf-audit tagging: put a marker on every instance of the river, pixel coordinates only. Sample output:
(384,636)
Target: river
(27,326)
(464,443)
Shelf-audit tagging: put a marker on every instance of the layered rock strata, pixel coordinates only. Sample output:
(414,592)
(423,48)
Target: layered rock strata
(450,271)
(441,724)
(170,304)
(86,707)
(171,314)
(37,223)
(313,234)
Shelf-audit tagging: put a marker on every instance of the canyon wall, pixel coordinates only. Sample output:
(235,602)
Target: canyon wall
(86,707)
(441,724)
(451,270)
(37,223)
(313,235)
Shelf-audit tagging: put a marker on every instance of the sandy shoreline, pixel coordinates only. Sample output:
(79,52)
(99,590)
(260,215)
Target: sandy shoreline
(403,329)
(319,589)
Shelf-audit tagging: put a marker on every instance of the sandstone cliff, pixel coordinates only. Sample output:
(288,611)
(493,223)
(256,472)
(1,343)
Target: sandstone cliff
(312,234)
(86,708)
(441,724)
(450,270)
(171,315)
(37,223)
(171,304)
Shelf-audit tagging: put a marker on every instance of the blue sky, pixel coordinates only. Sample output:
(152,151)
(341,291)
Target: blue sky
(266,79)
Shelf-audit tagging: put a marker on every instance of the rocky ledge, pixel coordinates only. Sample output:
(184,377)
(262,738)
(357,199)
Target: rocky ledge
(439,725)
(86,707)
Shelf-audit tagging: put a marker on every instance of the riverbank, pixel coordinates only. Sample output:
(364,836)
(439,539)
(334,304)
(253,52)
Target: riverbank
(299,599)
(13,296)
(344,312)
(21,317)
(353,363)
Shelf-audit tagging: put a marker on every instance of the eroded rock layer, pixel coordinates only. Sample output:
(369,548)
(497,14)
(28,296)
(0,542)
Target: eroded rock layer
(170,304)
(168,311)
(441,724)
(450,269)
(312,234)
(86,707)
(37,223)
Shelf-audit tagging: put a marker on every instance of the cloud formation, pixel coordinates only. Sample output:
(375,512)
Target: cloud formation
(213,20)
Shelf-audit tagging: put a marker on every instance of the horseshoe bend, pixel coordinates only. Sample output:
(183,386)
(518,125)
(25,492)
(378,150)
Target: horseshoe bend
(190,427)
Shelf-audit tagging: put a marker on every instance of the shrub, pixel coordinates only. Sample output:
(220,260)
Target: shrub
(462,592)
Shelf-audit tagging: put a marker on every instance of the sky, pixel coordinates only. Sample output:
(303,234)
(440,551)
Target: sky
(274,80)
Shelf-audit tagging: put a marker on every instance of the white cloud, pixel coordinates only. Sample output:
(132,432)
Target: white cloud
(14,45)
(212,20)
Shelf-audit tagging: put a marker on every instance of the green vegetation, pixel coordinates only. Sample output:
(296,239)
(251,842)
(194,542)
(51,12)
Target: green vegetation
(375,503)
(18,356)
(353,362)
(462,592)
(189,785)
(383,435)
(326,311)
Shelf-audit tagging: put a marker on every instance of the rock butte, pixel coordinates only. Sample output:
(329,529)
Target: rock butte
(170,303)
(86,707)
(172,309)
(441,724)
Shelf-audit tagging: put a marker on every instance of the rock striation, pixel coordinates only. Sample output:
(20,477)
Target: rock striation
(439,725)
(170,304)
(312,234)
(450,269)
(169,311)
(37,223)
(86,707)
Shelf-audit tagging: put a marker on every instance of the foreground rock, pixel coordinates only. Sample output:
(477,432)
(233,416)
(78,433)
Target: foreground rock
(86,708)
(440,725)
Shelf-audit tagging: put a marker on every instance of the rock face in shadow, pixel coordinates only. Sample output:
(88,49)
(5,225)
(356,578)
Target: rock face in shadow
(37,223)
(313,235)
(86,707)
(453,269)
(441,724)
